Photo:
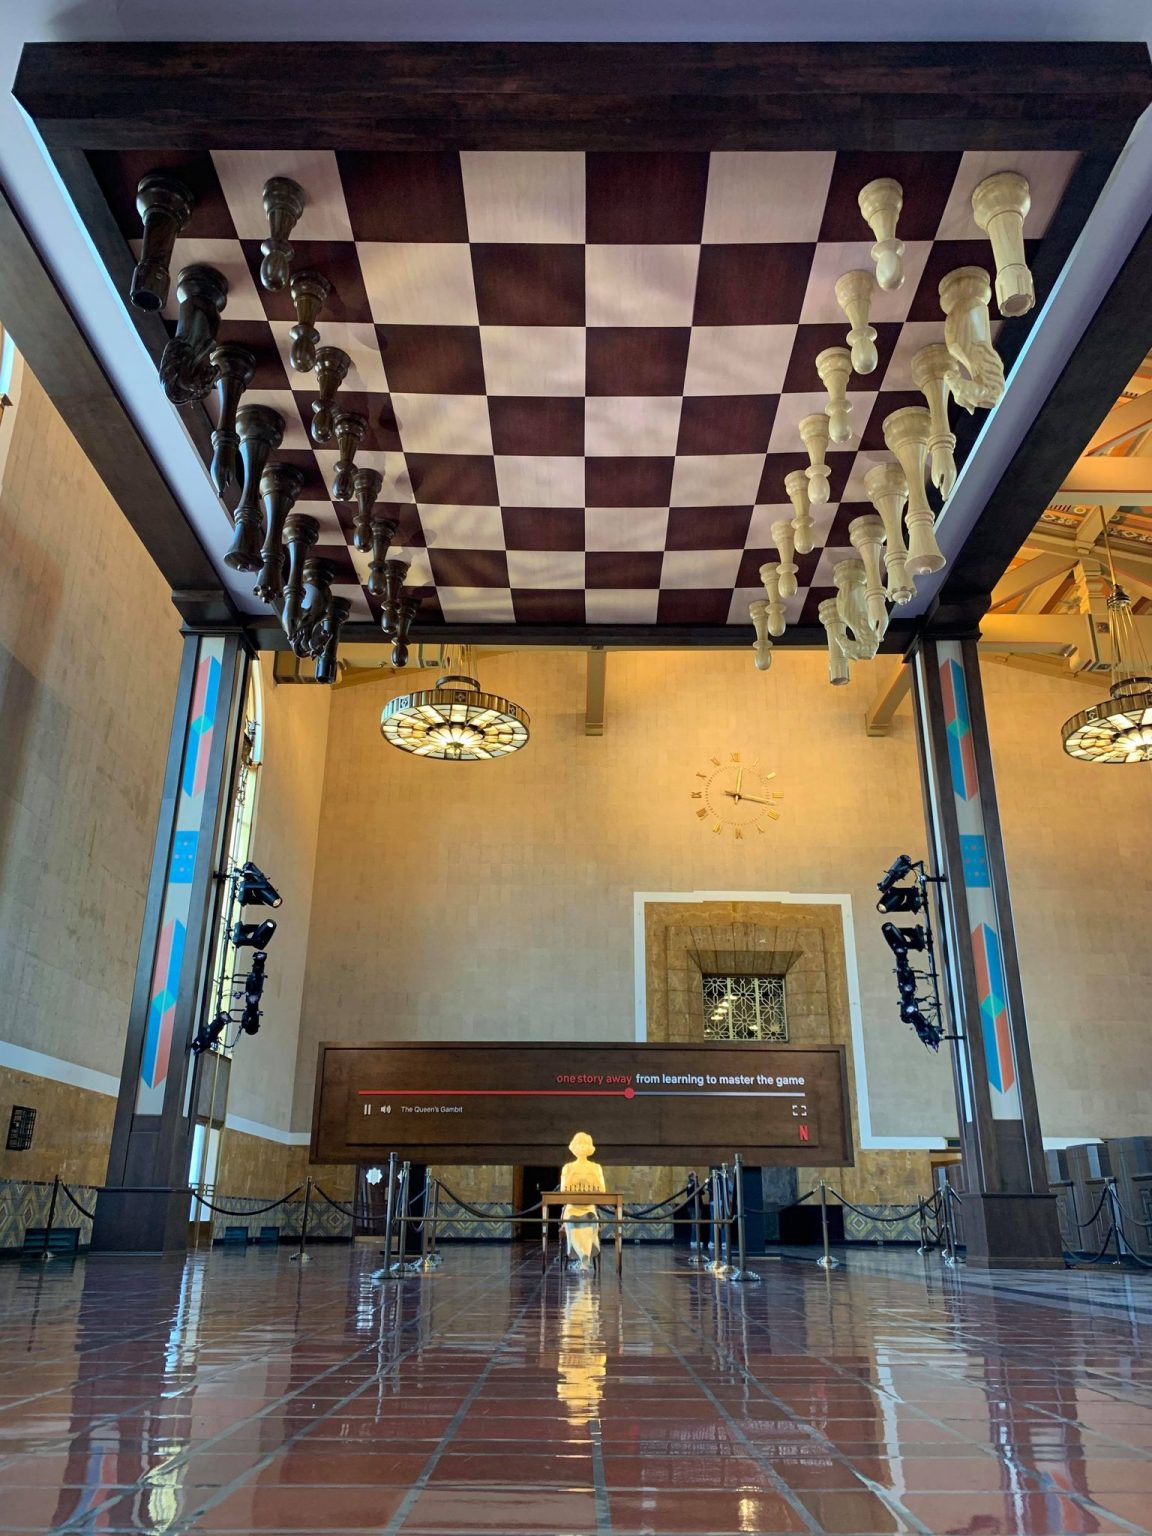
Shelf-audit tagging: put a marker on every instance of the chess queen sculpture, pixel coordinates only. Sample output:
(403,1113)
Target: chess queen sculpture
(581,1177)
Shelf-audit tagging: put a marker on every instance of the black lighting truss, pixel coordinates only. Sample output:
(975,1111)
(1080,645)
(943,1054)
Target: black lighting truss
(904,890)
(243,990)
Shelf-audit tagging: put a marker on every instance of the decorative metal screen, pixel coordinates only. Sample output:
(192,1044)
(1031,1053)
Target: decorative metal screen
(745,1008)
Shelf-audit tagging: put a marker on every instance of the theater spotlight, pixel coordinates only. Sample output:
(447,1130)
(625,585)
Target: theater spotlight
(896,871)
(256,935)
(209,1033)
(929,1034)
(254,982)
(902,898)
(901,940)
(906,982)
(250,1020)
(254,889)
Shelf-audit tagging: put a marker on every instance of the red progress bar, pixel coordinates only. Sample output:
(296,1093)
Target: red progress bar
(497,1093)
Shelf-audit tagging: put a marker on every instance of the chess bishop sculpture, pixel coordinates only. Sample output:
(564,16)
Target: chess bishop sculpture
(165,205)
(887,490)
(880,203)
(758,613)
(350,428)
(1000,205)
(933,371)
(854,295)
(906,432)
(233,367)
(964,297)
(866,535)
(300,533)
(366,484)
(383,531)
(280,485)
(261,431)
(186,370)
(796,489)
(395,572)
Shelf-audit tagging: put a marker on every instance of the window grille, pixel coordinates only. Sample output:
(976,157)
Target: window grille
(745,1008)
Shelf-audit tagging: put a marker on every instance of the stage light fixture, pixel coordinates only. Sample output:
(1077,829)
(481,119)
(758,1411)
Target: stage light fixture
(209,1033)
(250,1020)
(254,935)
(897,870)
(906,981)
(254,982)
(254,889)
(929,1034)
(902,898)
(901,940)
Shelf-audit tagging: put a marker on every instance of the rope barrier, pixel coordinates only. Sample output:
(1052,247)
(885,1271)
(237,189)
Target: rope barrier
(255,1210)
(911,1210)
(1081,1225)
(91,1215)
(485,1215)
(344,1211)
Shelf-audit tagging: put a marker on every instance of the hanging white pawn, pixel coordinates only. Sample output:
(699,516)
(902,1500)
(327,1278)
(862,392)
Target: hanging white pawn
(1000,205)
(880,203)
(814,436)
(796,488)
(770,576)
(782,538)
(854,295)
(758,613)
(834,365)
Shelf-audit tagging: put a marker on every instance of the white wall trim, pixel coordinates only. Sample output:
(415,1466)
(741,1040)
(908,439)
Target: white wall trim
(19,1058)
(868,1141)
(267,1132)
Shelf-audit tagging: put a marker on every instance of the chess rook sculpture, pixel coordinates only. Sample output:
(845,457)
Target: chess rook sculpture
(165,205)
(366,485)
(1000,205)
(814,436)
(964,297)
(186,370)
(829,615)
(280,485)
(233,367)
(310,292)
(796,489)
(906,432)
(887,490)
(758,613)
(332,365)
(854,295)
(834,365)
(581,1177)
(283,204)
(880,204)
(383,531)
(933,370)
(770,576)
(261,430)
(350,428)
(783,538)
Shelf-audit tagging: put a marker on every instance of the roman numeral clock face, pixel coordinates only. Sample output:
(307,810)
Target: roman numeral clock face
(736,797)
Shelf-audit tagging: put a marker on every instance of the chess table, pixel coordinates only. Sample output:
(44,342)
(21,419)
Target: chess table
(599,1197)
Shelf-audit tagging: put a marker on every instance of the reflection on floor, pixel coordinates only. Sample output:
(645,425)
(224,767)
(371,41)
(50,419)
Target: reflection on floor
(244,1394)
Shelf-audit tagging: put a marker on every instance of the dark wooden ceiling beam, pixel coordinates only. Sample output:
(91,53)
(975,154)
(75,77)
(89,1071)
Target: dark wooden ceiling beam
(889,96)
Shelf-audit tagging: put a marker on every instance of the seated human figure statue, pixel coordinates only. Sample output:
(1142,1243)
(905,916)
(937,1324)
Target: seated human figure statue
(581,1177)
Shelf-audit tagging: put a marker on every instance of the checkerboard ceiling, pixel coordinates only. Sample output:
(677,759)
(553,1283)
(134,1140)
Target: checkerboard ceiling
(583,373)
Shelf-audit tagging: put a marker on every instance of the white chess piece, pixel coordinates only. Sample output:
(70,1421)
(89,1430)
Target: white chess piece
(770,576)
(880,204)
(796,488)
(814,436)
(1000,205)
(964,296)
(854,295)
(887,490)
(867,538)
(758,613)
(860,641)
(829,615)
(906,433)
(834,365)
(782,537)
(933,370)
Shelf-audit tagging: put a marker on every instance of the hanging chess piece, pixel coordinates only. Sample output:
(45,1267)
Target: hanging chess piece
(383,531)
(300,533)
(233,367)
(1000,205)
(327,670)
(933,370)
(395,572)
(280,485)
(880,204)
(866,535)
(964,297)
(165,204)
(906,432)
(350,428)
(408,609)
(854,295)
(366,485)
(814,436)
(887,490)
(834,365)
(796,489)
(783,538)
(318,576)
(261,431)
(186,370)
(332,365)
(859,642)
(829,615)
(777,618)
(758,613)
(310,292)
(283,204)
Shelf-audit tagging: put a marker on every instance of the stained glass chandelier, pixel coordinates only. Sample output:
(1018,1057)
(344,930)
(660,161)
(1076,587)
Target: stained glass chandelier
(456,722)
(1118,730)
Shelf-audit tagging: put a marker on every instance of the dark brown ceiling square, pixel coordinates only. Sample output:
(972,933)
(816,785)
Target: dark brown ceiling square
(432,359)
(751,284)
(708,527)
(546,606)
(411,196)
(544,424)
(726,423)
(694,605)
(617,570)
(637,360)
(469,567)
(529,284)
(645,199)
(453,479)
(544,528)
(632,482)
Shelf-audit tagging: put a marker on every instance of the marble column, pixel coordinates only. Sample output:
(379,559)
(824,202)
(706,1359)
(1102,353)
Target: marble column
(1008,1215)
(145,1204)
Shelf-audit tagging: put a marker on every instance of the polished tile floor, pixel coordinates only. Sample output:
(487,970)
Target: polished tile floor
(242,1393)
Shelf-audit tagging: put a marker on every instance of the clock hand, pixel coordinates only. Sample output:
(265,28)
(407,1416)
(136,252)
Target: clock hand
(739,778)
(753,799)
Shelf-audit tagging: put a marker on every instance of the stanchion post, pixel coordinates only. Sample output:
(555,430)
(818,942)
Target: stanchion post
(741,1272)
(923,1220)
(424,1227)
(47,1254)
(389,1212)
(402,1216)
(694,1247)
(827,1261)
(301,1256)
(715,1211)
(435,1218)
(1117,1228)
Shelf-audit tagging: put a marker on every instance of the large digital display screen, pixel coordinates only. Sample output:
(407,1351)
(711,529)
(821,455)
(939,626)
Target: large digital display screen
(649,1104)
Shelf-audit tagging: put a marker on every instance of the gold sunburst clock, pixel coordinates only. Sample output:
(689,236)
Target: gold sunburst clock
(736,796)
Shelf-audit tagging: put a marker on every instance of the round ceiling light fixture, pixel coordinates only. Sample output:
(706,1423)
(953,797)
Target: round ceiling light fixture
(1119,729)
(456,722)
